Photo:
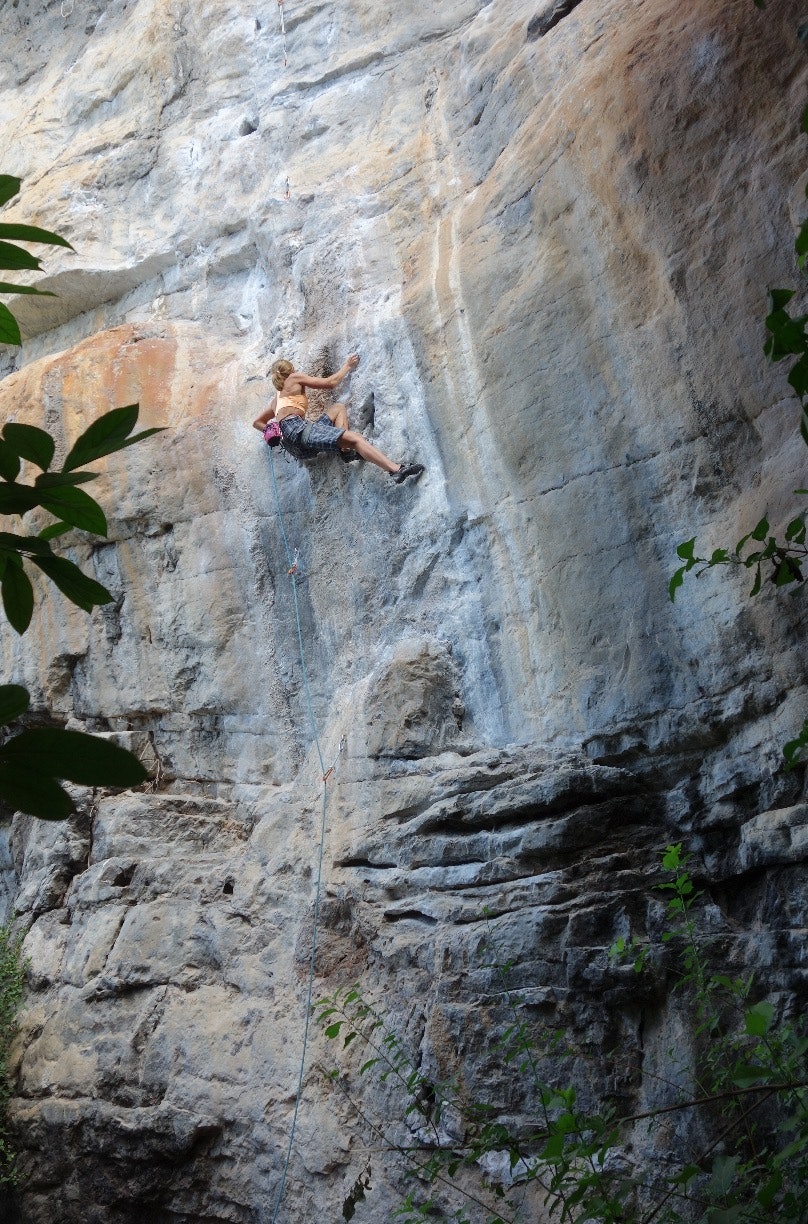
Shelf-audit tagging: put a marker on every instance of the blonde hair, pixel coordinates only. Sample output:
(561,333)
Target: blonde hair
(280,371)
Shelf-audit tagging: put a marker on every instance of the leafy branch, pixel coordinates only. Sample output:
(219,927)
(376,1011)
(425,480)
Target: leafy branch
(57,493)
(779,561)
(33,762)
(749,1167)
(16,258)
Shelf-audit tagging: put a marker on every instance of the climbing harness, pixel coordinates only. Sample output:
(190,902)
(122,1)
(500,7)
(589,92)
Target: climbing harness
(293,561)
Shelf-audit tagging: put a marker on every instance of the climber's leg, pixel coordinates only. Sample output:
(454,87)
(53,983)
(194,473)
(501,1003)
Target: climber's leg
(351,440)
(354,441)
(338,415)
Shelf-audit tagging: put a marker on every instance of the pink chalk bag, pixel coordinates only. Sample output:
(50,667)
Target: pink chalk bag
(272,434)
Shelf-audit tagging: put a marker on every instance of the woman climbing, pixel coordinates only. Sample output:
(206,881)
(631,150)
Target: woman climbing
(331,431)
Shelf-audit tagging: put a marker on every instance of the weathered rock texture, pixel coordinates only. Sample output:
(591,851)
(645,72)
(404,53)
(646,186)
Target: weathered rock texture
(548,229)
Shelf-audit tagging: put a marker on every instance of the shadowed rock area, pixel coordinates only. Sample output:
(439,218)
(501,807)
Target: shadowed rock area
(549,230)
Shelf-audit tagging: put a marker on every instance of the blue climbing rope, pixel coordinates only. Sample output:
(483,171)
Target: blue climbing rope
(292,563)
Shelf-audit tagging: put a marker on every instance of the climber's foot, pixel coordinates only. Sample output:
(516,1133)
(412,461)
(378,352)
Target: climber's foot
(406,471)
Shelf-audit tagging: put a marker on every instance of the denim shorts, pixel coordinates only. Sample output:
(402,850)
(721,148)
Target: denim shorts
(305,439)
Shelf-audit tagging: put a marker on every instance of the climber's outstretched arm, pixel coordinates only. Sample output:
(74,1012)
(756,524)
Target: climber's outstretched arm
(263,420)
(309,380)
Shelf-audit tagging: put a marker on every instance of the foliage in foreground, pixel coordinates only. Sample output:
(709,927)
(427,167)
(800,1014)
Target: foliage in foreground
(777,562)
(744,1096)
(33,761)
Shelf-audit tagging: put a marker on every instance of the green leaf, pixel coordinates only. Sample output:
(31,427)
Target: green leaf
(18,597)
(84,592)
(787,570)
(778,298)
(16,258)
(74,506)
(792,751)
(798,378)
(332,1030)
(761,530)
(726,1215)
(366,1066)
(768,1191)
(31,443)
(673,858)
(9,327)
(745,1075)
(31,233)
(675,582)
(9,461)
(61,480)
(553,1149)
(9,540)
(801,244)
(37,795)
(14,701)
(108,434)
(786,335)
(8,287)
(55,529)
(759,1018)
(86,759)
(723,1174)
(9,187)
(17,498)
(796,529)
(719,556)
(685,549)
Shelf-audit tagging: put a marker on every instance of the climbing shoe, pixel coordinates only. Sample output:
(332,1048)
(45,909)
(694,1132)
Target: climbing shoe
(406,471)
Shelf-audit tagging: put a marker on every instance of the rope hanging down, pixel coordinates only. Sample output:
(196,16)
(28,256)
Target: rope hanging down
(292,562)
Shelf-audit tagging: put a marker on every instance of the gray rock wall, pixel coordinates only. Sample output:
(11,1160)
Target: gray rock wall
(551,250)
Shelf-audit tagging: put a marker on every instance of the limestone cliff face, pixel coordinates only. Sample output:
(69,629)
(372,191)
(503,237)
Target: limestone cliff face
(551,251)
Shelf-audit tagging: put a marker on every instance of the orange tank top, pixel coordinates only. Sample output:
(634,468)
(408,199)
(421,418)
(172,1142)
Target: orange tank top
(292,403)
